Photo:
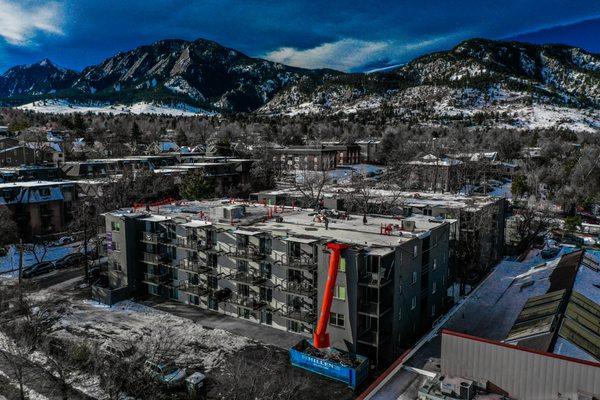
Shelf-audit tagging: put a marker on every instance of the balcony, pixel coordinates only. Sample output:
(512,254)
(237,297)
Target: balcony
(194,266)
(152,258)
(301,289)
(368,337)
(302,262)
(306,317)
(155,238)
(197,289)
(156,279)
(246,278)
(249,302)
(374,279)
(250,252)
(373,308)
(194,244)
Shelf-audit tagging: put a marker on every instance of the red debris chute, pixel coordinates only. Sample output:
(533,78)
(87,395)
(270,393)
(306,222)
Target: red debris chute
(321,337)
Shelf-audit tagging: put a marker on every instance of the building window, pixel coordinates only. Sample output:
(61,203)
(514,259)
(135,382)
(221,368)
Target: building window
(153,289)
(433,310)
(434,263)
(414,277)
(415,251)
(266,318)
(339,292)
(243,290)
(400,314)
(266,294)
(115,226)
(433,287)
(213,304)
(242,266)
(342,266)
(413,303)
(336,319)
(294,326)
(265,270)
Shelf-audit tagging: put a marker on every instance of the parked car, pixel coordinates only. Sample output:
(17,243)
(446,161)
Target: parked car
(71,260)
(118,351)
(550,252)
(166,372)
(64,240)
(38,269)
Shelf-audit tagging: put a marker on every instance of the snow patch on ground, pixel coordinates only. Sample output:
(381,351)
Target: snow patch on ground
(67,107)
(127,321)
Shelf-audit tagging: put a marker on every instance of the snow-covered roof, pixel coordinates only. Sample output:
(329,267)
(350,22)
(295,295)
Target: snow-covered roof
(155,218)
(587,280)
(196,224)
(168,146)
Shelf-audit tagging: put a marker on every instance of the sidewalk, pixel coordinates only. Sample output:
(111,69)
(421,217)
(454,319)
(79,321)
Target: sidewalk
(238,326)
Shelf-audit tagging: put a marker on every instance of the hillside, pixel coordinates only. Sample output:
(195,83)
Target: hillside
(479,81)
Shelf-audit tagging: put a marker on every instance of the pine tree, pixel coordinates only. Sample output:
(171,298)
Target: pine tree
(195,186)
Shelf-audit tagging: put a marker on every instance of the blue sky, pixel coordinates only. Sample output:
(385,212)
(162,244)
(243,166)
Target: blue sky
(345,35)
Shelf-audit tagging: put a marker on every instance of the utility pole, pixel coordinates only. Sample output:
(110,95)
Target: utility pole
(85,242)
(20,272)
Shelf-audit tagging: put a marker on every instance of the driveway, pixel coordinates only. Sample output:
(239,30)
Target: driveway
(238,326)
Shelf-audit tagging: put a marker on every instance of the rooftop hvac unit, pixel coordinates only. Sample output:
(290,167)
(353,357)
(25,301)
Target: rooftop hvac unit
(233,212)
(408,225)
(467,390)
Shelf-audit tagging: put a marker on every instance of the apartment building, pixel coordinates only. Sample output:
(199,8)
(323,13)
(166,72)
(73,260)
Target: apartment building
(270,266)
(477,238)
(39,208)
(29,173)
(435,173)
(324,157)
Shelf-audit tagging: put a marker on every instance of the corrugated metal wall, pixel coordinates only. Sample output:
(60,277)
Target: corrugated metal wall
(523,374)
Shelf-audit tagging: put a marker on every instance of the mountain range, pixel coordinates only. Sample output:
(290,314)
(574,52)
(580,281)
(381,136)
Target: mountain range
(489,82)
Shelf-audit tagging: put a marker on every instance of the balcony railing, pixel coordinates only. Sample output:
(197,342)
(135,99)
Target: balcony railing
(368,336)
(193,288)
(302,261)
(374,278)
(195,244)
(249,302)
(249,252)
(195,266)
(155,238)
(373,308)
(297,288)
(156,278)
(152,258)
(246,278)
(307,317)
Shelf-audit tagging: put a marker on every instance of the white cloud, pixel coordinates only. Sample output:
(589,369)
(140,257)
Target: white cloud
(341,55)
(21,21)
(350,54)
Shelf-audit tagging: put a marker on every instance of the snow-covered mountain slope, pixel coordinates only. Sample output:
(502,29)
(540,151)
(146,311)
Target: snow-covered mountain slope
(496,83)
(479,81)
(67,107)
(40,78)
(202,73)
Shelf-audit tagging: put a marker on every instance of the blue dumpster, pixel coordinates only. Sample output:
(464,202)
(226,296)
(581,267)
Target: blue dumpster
(353,370)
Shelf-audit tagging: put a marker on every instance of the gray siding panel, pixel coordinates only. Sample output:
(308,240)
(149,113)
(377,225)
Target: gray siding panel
(523,374)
